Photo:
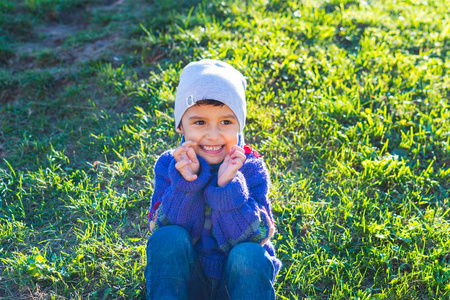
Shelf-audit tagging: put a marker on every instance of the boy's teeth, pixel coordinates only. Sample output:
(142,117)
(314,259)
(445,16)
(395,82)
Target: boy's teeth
(210,148)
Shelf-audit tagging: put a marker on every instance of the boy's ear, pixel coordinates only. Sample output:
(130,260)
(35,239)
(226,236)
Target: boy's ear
(179,129)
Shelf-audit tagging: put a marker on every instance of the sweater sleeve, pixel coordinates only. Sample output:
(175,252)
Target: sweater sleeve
(176,201)
(240,210)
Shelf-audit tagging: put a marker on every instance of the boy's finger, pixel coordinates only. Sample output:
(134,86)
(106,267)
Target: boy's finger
(227,157)
(189,143)
(236,148)
(177,153)
(181,167)
(181,164)
(232,150)
(237,161)
(192,177)
(182,149)
(239,155)
(184,156)
(192,155)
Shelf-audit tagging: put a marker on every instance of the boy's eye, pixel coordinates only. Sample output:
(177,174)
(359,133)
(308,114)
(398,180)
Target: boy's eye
(226,122)
(199,122)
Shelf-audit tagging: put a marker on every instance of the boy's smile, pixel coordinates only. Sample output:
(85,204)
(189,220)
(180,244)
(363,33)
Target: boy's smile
(215,129)
(211,149)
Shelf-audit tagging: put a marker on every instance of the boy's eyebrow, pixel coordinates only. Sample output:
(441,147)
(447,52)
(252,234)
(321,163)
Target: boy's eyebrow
(230,116)
(195,117)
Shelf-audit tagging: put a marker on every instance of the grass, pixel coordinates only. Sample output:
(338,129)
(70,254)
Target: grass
(348,102)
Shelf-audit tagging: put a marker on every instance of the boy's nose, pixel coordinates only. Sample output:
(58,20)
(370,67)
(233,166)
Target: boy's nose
(213,133)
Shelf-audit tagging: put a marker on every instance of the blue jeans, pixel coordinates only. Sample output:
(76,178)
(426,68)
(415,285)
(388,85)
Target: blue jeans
(174,272)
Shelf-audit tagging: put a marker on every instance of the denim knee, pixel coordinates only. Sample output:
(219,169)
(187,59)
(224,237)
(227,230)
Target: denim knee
(248,258)
(170,237)
(168,248)
(170,257)
(249,274)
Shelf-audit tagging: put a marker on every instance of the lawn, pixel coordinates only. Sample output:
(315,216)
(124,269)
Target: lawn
(348,103)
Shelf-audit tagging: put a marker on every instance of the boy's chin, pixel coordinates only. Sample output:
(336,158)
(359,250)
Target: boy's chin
(213,160)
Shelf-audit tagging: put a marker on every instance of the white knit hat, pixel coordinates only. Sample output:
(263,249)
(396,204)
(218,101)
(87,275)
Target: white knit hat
(213,80)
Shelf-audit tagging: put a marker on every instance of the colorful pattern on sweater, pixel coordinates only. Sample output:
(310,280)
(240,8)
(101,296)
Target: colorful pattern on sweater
(217,218)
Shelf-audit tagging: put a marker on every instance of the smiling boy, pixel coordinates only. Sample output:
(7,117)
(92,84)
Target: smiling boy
(210,215)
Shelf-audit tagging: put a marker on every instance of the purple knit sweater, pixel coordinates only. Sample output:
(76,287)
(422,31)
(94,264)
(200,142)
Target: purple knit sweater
(217,218)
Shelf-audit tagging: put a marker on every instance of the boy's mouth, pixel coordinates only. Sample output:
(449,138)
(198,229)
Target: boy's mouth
(212,149)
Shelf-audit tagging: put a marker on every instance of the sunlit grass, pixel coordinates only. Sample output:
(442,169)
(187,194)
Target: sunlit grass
(348,102)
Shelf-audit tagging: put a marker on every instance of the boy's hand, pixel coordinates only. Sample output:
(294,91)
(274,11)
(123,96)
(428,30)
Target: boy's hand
(231,164)
(187,161)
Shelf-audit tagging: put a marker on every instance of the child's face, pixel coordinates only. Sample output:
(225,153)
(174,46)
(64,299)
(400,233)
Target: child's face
(215,129)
